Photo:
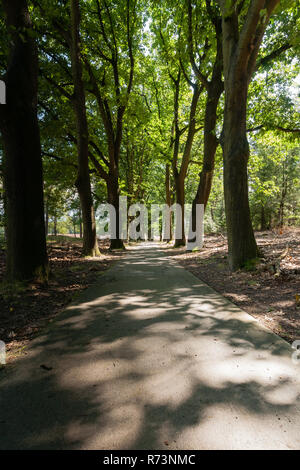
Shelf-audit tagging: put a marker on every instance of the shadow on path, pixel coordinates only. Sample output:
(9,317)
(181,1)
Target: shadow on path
(152,358)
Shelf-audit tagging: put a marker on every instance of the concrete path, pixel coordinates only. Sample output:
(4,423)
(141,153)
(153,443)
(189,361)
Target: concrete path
(152,358)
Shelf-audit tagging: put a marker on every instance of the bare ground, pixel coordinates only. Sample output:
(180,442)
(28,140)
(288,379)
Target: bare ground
(25,309)
(271,297)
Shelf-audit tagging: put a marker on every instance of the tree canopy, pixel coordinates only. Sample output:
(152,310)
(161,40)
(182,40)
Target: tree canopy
(153,100)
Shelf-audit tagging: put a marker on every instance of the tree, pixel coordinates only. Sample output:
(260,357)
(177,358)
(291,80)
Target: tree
(243,27)
(83,184)
(178,71)
(180,166)
(111,84)
(214,88)
(23,177)
(61,56)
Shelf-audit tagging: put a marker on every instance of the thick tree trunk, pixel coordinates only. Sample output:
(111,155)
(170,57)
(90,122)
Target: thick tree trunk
(23,177)
(83,184)
(242,34)
(241,240)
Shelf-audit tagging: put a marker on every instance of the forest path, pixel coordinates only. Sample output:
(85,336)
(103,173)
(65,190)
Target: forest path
(151,358)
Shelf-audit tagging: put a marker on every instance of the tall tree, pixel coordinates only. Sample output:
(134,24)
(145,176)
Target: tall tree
(169,42)
(214,87)
(111,84)
(23,178)
(243,26)
(83,183)
(61,56)
(180,170)
(167,229)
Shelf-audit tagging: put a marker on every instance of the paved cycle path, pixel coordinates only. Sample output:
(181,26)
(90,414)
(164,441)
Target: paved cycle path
(152,358)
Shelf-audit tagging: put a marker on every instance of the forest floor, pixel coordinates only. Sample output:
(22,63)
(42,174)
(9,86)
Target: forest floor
(26,309)
(273,298)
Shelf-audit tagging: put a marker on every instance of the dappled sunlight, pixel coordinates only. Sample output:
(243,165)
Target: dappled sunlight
(173,362)
(245,369)
(234,431)
(283,394)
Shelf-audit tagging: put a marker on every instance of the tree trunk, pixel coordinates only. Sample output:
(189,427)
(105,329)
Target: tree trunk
(263,221)
(214,92)
(80,226)
(150,236)
(214,88)
(160,229)
(242,34)
(180,175)
(281,213)
(180,200)
(241,240)
(113,192)
(23,174)
(55,226)
(83,183)
(283,196)
(168,221)
(47,218)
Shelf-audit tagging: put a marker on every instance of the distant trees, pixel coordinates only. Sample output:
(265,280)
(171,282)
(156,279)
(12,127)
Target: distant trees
(274,174)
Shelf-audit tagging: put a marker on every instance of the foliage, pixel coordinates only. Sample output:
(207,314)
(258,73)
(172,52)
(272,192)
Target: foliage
(159,32)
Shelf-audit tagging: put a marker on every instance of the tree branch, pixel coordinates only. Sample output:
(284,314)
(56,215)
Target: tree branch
(103,107)
(57,86)
(196,69)
(270,127)
(273,55)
